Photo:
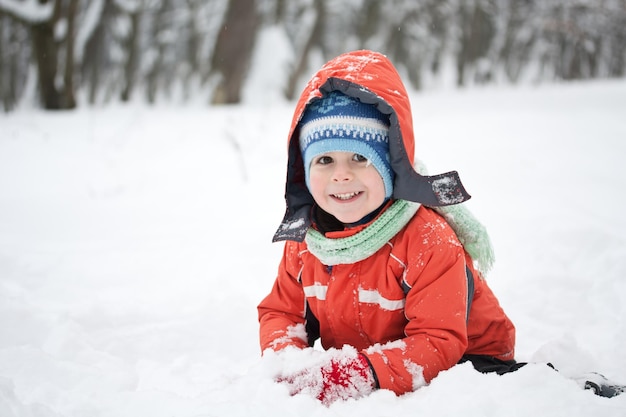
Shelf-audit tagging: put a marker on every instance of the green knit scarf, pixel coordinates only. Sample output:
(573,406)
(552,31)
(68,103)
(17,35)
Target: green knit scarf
(472,234)
(365,243)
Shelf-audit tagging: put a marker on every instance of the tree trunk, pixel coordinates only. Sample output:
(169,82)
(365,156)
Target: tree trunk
(315,39)
(93,64)
(130,68)
(5,64)
(45,50)
(233,50)
(476,31)
(462,53)
(68,73)
(156,77)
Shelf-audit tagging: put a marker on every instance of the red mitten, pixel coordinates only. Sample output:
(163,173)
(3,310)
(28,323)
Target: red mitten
(348,377)
(343,376)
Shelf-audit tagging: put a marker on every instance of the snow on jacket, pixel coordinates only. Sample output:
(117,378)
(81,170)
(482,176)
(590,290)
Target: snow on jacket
(405,307)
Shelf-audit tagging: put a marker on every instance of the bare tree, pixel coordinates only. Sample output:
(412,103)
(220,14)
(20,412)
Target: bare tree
(476,30)
(233,50)
(161,47)
(46,51)
(13,60)
(52,27)
(154,74)
(129,44)
(518,38)
(311,39)
(93,57)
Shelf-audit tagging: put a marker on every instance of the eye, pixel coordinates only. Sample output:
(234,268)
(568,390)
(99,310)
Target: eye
(359,158)
(324,160)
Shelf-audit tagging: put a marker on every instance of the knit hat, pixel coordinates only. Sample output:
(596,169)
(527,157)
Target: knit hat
(337,122)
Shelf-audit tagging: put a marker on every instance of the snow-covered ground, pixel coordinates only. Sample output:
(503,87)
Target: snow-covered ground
(135,246)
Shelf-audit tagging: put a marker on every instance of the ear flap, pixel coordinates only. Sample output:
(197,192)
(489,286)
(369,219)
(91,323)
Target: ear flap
(294,226)
(299,201)
(434,191)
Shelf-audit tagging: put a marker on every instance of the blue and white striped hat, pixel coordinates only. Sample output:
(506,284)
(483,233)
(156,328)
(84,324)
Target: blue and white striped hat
(337,122)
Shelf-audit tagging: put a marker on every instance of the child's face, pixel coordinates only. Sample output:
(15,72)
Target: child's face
(346,185)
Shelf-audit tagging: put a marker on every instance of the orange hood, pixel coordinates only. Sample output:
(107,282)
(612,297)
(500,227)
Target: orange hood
(372,78)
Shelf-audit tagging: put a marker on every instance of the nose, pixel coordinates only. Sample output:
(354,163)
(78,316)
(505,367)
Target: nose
(342,172)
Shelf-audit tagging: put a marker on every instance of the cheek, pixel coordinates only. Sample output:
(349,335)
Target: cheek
(317,182)
(375,183)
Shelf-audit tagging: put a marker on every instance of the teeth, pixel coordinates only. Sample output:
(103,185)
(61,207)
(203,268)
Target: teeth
(345,196)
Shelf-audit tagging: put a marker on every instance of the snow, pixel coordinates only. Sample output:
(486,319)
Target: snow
(264,86)
(135,244)
(28,10)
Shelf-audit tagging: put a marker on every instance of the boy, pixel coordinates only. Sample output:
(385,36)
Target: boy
(374,258)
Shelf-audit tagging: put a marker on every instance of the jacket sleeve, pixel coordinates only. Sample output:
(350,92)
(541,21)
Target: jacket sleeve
(282,312)
(436,310)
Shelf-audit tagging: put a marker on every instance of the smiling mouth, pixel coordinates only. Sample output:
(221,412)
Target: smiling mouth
(346,196)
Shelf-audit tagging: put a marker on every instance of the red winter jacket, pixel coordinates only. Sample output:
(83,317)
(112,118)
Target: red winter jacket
(406,306)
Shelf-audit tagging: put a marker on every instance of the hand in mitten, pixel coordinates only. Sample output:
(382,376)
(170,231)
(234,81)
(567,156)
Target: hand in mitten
(342,377)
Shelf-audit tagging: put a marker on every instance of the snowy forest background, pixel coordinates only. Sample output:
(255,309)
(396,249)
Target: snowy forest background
(135,229)
(70,53)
